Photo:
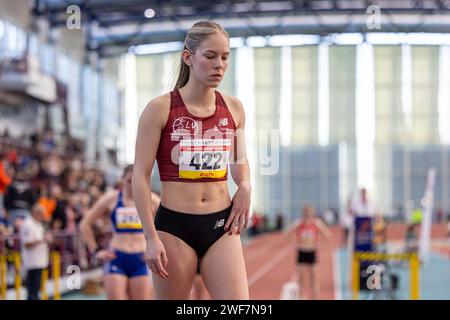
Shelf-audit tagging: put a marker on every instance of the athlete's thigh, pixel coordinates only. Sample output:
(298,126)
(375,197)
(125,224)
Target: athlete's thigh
(115,286)
(299,273)
(315,272)
(314,267)
(140,288)
(181,266)
(307,276)
(223,269)
(199,291)
(306,270)
(303,274)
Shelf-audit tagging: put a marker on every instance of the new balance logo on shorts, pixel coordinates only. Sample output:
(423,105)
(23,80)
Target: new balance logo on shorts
(219,223)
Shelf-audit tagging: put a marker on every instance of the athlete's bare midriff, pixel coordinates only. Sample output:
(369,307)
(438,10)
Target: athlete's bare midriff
(306,246)
(195,197)
(128,242)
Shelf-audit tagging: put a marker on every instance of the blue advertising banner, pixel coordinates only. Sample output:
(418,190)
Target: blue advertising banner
(363,242)
(363,234)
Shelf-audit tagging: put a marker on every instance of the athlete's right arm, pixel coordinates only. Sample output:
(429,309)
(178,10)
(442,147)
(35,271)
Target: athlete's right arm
(156,200)
(151,123)
(99,209)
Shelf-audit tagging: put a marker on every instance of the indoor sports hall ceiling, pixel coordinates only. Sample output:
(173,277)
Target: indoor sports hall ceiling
(112,26)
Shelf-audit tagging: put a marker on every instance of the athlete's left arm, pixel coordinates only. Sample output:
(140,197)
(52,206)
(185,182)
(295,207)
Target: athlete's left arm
(240,171)
(323,229)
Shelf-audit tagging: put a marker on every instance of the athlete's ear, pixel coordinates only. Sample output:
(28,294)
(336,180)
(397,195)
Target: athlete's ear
(186,55)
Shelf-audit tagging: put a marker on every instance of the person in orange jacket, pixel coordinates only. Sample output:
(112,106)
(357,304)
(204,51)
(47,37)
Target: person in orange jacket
(5,181)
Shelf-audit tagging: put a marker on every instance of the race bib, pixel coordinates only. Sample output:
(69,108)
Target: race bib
(204,158)
(307,235)
(127,218)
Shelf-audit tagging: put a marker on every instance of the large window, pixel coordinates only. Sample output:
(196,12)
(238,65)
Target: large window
(425,83)
(305,109)
(13,40)
(342,93)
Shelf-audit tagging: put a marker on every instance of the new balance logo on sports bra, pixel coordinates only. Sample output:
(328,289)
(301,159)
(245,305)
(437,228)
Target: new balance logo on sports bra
(219,223)
(223,122)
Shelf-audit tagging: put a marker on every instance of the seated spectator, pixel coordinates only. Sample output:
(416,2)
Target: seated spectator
(59,217)
(48,203)
(74,203)
(19,197)
(5,226)
(5,180)
(53,167)
(11,155)
(47,142)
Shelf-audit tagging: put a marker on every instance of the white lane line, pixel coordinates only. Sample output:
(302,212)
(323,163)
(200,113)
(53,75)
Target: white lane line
(337,275)
(256,276)
(253,255)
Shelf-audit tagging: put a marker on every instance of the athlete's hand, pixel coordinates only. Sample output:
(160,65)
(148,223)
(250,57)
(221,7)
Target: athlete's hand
(105,255)
(238,219)
(156,257)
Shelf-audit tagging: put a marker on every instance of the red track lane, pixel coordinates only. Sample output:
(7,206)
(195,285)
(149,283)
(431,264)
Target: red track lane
(397,231)
(271,262)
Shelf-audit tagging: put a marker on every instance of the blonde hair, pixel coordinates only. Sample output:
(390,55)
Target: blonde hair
(127,169)
(194,37)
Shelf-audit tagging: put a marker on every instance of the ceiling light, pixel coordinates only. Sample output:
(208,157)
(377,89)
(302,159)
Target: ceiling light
(149,13)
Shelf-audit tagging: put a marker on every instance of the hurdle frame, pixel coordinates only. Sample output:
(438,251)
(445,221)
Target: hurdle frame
(414,265)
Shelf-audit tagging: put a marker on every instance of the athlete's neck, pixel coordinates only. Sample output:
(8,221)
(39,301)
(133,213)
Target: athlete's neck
(127,193)
(198,96)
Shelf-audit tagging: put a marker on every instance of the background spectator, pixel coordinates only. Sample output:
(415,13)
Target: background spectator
(35,250)
(19,197)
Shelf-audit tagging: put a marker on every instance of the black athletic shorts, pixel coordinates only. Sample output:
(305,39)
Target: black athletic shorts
(199,231)
(306,257)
